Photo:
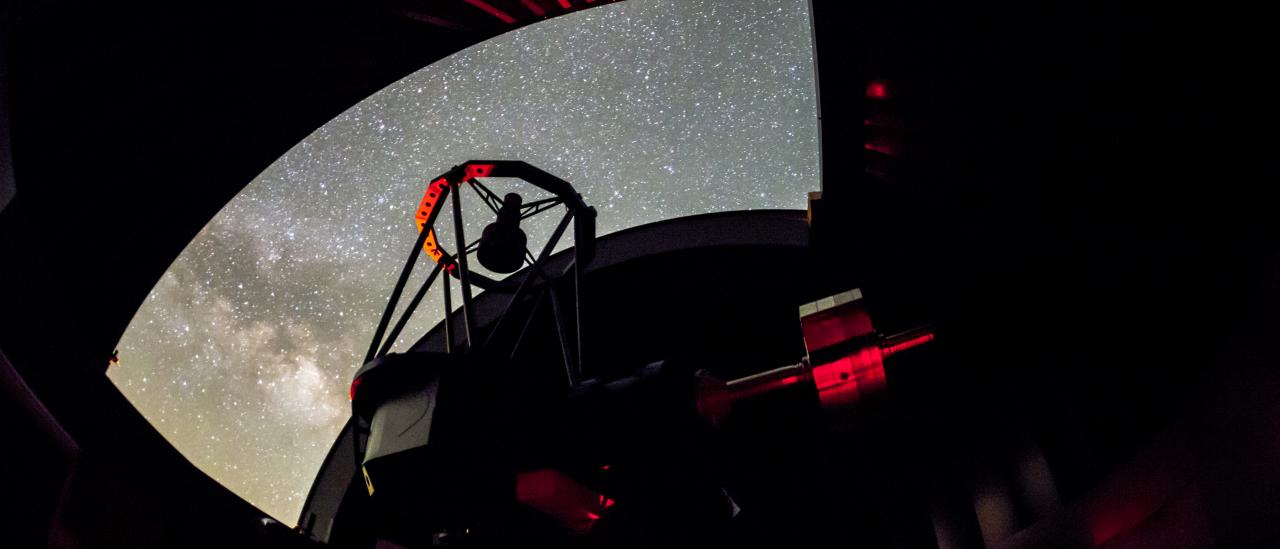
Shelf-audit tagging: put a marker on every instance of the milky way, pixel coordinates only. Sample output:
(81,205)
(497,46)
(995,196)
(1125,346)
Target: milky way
(653,109)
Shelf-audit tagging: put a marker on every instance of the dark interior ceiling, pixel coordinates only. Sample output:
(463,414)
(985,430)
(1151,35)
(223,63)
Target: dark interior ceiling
(1083,201)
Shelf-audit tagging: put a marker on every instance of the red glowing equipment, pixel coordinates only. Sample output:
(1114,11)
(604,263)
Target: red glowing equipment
(877,90)
(845,362)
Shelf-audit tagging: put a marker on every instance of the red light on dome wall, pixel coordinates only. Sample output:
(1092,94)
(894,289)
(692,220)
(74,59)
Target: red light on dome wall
(555,494)
(878,148)
(534,7)
(501,15)
(355,386)
(877,90)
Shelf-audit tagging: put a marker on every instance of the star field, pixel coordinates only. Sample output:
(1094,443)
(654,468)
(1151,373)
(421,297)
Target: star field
(242,354)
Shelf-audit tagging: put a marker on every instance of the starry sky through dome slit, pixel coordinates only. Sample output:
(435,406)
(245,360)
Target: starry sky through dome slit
(242,354)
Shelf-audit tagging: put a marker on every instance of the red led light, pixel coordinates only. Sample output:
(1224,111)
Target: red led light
(877,90)
(355,386)
(431,200)
(433,20)
(877,148)
(1148,486)
(904,345)
(565,4)
(534,7)
(493,11)
(478,170)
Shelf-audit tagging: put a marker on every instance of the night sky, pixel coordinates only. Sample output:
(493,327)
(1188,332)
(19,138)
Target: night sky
(242,354)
